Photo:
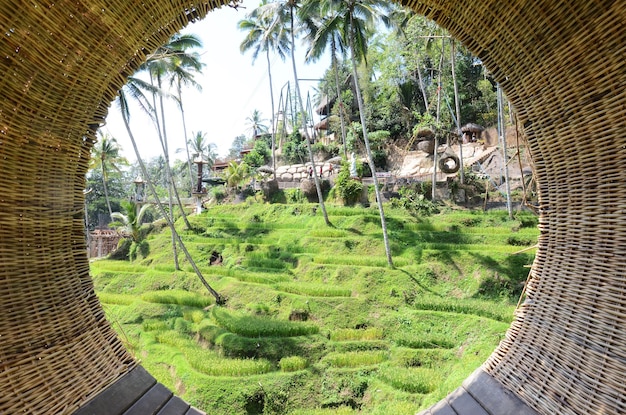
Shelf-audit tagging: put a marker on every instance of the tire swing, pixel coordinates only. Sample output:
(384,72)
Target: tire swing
(449,163)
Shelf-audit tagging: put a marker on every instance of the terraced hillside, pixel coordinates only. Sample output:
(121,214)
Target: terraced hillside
(315,322)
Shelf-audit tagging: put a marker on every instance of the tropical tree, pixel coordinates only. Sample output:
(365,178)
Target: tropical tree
(128,223)
(323,31)
(284,15)
(160,65)
(183,66)
(262,36)
(237,146)
(356,20)
(198,145)
(107,158)
(256,124)
(236,174)
(123,103)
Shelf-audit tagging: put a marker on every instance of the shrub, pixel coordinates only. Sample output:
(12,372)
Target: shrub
(218,193)
(348,189)
(294,196)
(414,202)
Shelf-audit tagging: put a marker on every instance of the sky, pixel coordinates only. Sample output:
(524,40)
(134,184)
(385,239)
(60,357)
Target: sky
(232,88)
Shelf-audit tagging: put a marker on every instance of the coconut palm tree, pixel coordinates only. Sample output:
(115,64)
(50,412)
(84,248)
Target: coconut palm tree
(236,173)
(129,225)
(256,124)
(322,31)
(123,104)
(171,61)
(261,36)
(107,158)
(199,145)
(160,65)
(283,15)
(356,20)
(182,74)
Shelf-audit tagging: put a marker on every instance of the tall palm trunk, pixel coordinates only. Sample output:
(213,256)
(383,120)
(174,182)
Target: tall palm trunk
(167,171)
(421,82)
(269,74)
(167,161)
(106,188)
(370,159)
(182,113)
(218,297)
(457,107)
(435,155)
(306,131)
(333,56)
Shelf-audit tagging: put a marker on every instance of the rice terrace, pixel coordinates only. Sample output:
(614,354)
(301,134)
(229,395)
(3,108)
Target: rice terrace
(424,213)
(314,318)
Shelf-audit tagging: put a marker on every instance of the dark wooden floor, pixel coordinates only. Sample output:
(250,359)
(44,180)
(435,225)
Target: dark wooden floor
(137,393)
(480,394)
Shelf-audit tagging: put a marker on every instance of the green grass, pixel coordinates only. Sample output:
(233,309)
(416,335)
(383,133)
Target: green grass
(374,333)
(252,326)
(411,380)
(313,289)
(293,363)
(178,297)
(316,322)
(356,359)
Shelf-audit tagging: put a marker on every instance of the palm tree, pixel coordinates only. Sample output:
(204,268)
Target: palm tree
(323,30)
(199,145)
(129,225)
(182,68)
(160,65)
(263,37)
(236,173)
(256,124)
(283,15)
(107,158)
(123,103)
(356,19)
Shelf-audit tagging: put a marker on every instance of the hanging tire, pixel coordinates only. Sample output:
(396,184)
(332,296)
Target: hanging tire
(446,161)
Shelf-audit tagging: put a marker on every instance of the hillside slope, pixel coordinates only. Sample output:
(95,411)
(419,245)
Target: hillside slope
(315,322)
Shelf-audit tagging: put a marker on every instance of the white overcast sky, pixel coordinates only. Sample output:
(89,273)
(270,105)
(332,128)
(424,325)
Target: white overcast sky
(232,87)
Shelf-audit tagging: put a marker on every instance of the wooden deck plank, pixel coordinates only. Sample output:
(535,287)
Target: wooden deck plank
(494,397)
(174,406)
(151,402)
(121,395)
(194,411)
(442,408)
(464,404)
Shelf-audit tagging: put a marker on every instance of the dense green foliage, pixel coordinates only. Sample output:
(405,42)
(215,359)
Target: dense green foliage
(315,322)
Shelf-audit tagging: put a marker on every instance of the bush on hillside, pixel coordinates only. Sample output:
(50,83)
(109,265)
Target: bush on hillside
(346,188)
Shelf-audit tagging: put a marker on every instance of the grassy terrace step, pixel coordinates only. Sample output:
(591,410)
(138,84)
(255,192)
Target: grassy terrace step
(251,326)
(313,289)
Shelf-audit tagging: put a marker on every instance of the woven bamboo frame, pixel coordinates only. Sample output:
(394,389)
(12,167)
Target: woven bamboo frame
(562,64)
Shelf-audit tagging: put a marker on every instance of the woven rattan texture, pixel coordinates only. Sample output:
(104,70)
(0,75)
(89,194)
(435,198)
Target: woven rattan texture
(62,62)
(561,63)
